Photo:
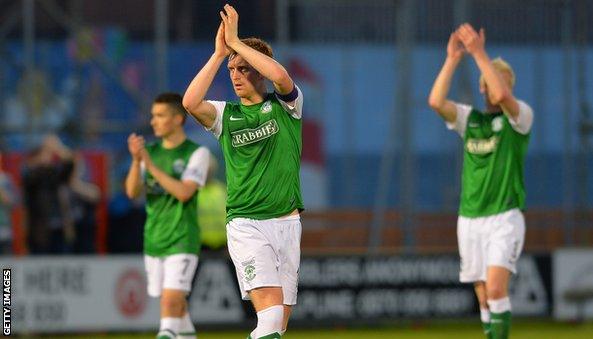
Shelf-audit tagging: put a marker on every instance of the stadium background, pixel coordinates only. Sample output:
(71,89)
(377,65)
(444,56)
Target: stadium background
(381,173)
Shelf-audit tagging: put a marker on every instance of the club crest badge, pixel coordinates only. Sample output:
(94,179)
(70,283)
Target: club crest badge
(178,166)
(497,124)
(266,107)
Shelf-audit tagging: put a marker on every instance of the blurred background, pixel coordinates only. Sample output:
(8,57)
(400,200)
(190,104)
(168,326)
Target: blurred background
(380,171)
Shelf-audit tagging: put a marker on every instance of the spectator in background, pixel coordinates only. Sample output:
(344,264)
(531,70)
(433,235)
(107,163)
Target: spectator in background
(84,197)
(212,210)
(49,226)
(8,199)
(126,222)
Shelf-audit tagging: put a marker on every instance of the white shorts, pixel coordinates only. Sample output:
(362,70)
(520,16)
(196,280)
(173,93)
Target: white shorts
(495,240)
(266,253)
(172,272)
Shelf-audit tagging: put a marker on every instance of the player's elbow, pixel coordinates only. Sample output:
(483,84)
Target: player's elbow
(500,96)
(190,104)
(185,195)
(435,104)
(183,198)
(131,193)
(282,78)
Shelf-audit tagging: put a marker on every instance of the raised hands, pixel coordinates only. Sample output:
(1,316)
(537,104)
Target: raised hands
(230,19)
(455,47)
(136,146)
(220,46)
(472,41)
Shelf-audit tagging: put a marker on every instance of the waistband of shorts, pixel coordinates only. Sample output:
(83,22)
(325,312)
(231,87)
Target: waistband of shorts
(283,218)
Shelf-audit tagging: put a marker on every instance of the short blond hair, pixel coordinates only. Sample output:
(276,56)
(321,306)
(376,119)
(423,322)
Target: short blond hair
(503,67)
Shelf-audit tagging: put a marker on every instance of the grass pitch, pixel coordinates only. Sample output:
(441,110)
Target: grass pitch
(541,329)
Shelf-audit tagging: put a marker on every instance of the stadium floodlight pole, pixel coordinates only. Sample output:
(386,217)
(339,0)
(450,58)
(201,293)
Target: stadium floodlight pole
(568,169)
(29,55)
(584,108)
(402,129)
(161,43)
(282,21)
(461,10)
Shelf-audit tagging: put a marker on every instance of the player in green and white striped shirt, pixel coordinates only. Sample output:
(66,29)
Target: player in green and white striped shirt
(261,141)
(491,227)
(171,171)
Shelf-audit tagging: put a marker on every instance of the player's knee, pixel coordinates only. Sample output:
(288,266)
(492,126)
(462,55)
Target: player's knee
(172,304)
(496,292)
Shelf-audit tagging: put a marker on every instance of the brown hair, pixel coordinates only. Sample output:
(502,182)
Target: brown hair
(258,45)
(174,101)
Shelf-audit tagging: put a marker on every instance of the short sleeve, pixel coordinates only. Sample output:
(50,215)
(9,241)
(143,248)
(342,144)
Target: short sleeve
(142,170)
(524,120)
(197,166)
(294,107)
(460,123)
(216,127)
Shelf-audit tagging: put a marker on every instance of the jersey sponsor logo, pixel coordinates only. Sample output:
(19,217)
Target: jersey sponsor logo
(178,166)
(236,118)
(474,125)
(497,124)
(250,136)
(266,107)
(482,146)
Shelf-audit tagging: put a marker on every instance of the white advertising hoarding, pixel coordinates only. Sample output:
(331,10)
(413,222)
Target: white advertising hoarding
(573,284)
(80,293)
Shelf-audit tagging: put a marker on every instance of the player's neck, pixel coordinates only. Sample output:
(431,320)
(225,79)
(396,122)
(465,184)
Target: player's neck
(174,140)
(256,97)
(493,109)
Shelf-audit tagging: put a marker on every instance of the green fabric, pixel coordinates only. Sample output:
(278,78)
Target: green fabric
(262,146)
(500,325)
(487,330)
(274,335)
(212,214)
(162,335)
(493,166)
(171,225)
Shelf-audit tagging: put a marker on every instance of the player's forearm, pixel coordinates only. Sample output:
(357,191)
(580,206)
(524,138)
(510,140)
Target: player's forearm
(175,187)
(134,180)
(197,89)
(266,66)
(442,84)
(498,90)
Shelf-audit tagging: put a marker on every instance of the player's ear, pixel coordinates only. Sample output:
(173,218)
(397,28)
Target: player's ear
(482,86)
(178,118)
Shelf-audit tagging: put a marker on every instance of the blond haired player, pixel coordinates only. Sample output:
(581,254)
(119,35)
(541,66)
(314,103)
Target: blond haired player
(491,227)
